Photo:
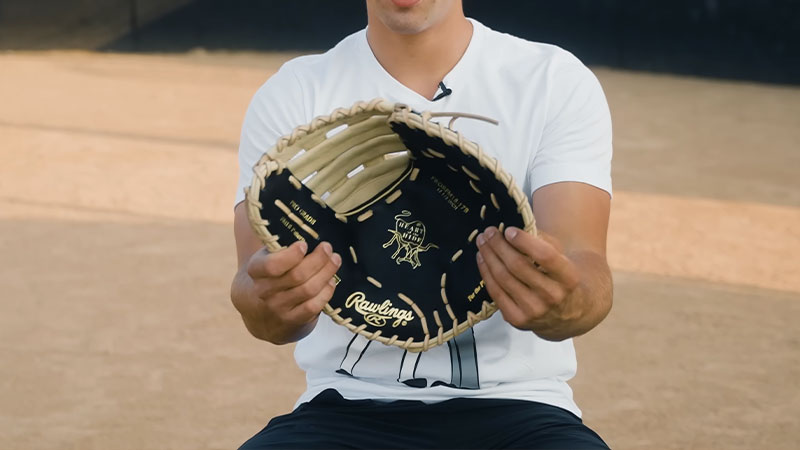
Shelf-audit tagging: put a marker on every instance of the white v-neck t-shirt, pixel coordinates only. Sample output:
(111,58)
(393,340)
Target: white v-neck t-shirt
(554,127)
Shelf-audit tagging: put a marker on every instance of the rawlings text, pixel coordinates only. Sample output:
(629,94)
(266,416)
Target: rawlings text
(378,313)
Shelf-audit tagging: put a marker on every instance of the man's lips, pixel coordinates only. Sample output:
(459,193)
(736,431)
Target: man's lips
(405,3)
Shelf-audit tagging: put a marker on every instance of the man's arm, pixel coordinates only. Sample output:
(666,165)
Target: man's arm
(281,294)
(557,285)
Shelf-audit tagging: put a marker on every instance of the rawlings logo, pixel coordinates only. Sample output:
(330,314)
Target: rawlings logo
(409,236)
(377,314)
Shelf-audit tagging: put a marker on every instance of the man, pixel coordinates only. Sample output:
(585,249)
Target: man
(504,383)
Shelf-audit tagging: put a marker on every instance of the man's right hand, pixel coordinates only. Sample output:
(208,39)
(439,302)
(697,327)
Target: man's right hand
(280,295)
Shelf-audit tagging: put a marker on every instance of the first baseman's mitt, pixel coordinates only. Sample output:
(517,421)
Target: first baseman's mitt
(402,199)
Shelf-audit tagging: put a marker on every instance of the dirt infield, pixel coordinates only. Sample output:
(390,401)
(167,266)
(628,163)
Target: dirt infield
(116,332)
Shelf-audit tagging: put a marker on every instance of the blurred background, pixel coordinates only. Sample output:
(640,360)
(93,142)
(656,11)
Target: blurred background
(745,39)
(119,125)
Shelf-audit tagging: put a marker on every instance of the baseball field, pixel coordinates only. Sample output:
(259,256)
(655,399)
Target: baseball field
(117,175)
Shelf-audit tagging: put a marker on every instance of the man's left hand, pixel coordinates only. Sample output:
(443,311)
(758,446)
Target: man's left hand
(529,278)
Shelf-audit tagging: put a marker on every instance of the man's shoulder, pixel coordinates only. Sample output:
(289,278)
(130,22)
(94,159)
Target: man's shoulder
(513,50)
(320,62)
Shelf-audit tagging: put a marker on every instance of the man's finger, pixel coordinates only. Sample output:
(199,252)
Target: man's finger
(549,259)
(518,263)
(510,310)
(530,295)
(549,239)
(309,267)
(265,264)
(313,295)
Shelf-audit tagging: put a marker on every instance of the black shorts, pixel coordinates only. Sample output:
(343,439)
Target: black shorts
(330,421)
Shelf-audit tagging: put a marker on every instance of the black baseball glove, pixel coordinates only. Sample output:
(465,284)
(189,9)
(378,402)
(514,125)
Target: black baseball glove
(401,198)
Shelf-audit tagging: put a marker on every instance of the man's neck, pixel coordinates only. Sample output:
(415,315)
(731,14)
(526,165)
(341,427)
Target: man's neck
(420,61)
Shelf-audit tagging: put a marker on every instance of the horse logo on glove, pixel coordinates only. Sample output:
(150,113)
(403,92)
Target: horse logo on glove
(409,237)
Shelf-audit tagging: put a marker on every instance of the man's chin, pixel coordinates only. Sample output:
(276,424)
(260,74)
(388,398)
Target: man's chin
(405,24)
(406,16)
